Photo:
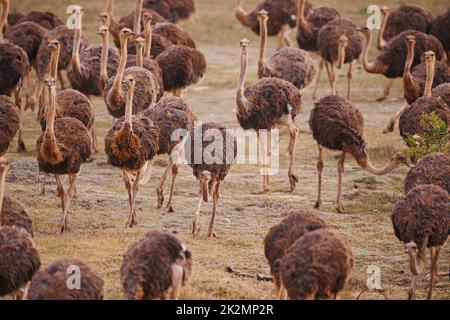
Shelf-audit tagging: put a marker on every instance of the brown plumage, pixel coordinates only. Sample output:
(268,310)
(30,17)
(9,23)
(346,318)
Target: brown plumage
(309,24)
(181,67)
(61,150)
(316,266)
(155,267)
(146,88)
(282,15)
(47,20)
(440,28)
(442,91)
(339,43)
(267,104)
(337,124)
(171,115)
(51,283)
(174,34)
(19,260)
(212,167)
(421,220)
(433,169)
(86,65)
(290,64)
(281,236)
(174,11)
(14,17)
(28,36)
(405,17)
(131,145)
(10,118)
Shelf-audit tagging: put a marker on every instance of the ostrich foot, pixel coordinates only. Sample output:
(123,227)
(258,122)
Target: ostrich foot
(411,295)
(341,210)
(390,126)
(212,234)
(195,229)
(169,209)
(21,147)
(131,223)
(160,200)
(318,204)
(381,99)
(293,180)
(64,228)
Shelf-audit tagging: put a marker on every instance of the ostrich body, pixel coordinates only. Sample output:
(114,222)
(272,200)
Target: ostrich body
(442,91)
(175,11)
(409,122)
(281,236)
(131,144)
(421,220)
(433,169)
(14,68)
(181,67)
(209,172)
(268,104)
(339,43)
(14,18)
(85,72)
(282,18)
(336,124)
(414,82)
(47,20)
(174,34)
(322,277)
(9,122)
(19,261)
(169,115)
(155,267)
(290,64)
(61,150)
(51,283)
(145,90)
(440,28)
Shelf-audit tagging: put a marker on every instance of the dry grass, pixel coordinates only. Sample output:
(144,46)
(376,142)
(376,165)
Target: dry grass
(98,215)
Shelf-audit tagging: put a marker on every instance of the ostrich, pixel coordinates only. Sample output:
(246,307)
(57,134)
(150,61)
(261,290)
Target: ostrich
(155,267)
(176,11)
(65,38)
(171,115)
(281,236)
(212,168)
(421,220)
(9,122)
(442,91)
(409,121)
(290,64)
(174,34)
(181,67)
(52,282)
(308,28)
(14,18)
(131,145)
(20,260)
(12,212)
(85,72)
(391,60)
(440,29)
(145,88)
(282,18)
(61,150)
(47,20)
(406,17)
(414,82)
(265,105)
(14,68)
(339,43)
(322,277)
(337,124)
(433,169)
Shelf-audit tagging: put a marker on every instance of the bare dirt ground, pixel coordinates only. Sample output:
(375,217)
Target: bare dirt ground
(97,216)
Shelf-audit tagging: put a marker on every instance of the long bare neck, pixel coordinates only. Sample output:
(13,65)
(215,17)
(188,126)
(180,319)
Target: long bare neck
(76,47)
(240,98)
(241,15)
(410,84)
(302,23)
(381,43)
(262,45)
(104,61)
(341,56)
(148,38)
(54,63)
(416,263)
(430,77)
(3,18)
(369,67)
(128,123)
(138,16)
(368,166)
(109,7)
(139,56)
(3,171)
(117,86)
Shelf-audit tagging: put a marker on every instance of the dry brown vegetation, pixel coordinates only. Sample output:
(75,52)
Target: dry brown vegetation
(97,217)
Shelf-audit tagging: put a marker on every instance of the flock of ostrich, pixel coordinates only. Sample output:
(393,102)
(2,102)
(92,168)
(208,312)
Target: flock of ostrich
(141,82)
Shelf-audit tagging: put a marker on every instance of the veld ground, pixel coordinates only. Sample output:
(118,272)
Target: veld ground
(97,217)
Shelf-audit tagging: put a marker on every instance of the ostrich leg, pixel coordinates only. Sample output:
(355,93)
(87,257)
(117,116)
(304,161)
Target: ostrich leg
(62,80)
(196,222)
(412,289)
(169,207)
(127,181)
(216,193)
(341,162)
(67,196)
(160,189)
(387,90)
(333,80)
(282,293)
(286,30)
(391,124)
(178,153)
(316,85)
(21,145)
(263,151)
(132,221)
(319,173)
(349,81)
(177,92)
(434,266)
(293,178)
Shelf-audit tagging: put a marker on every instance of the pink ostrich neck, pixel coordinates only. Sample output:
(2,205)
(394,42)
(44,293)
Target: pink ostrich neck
(262,44)
(128,123)
(240,98)
(75,62)
(51,111)
(3,18)
(117,86)
(138,16)
(341,56)
(369,67)
(54,59)
(148,38)
(139,56)
(368,166)
(4,165)
(430,63)
(381,43)
(104,59)
(416,262)
(302,23)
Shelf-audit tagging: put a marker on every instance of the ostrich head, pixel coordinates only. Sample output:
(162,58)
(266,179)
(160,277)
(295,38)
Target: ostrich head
(104,18)
(128,82)
(125,34)
(244,43)
(365,31)
(140,42)
(343,41)
(411,248)
(429,56)
(102,30)
(263,15)
(203,179)
(384,10)
(50,82)
(53,44)
(411,40)
(147,17)
(401,157)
